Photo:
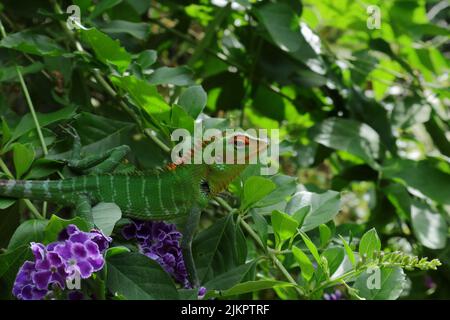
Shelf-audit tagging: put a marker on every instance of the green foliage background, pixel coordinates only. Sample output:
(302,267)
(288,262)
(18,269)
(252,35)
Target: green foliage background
(363,116)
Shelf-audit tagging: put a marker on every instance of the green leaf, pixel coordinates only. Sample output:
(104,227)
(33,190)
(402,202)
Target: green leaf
(282,24)
(369,244)
(193,100)
(105,216)
(9,74)
(385,283)
(249,286)
(42,168)
(311,247)
(6,131)
(300,214)
(306,266)
(6,203)
(9,221)
(218,249)
(103,6)
(230,278)
(145,96)
(29,42)
(23,157)
(106,49)
(429,227)
(147,58)
(256,188)
(260,225)
(349,251)
(26,124)
(28,231)
(423,176)
(284,28)
(400,199)
(181,119)
(325,235)
(98,134)
(285,187)
(10,263)
(284,227)
(138,277)
(178,76)
(116,250)
(138,30)
(335,256)
(349,135)
(13,259)
(57,224)
(323,207)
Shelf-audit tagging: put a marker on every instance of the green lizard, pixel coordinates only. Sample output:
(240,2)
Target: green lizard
(178,191)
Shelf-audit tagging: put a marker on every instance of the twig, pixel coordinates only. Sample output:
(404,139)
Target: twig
(33,112)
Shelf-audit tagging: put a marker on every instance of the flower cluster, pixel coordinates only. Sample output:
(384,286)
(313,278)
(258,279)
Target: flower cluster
(161,242)
(76,253)
(336,295)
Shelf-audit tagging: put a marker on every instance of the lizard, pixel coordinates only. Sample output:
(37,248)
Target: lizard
(179,191)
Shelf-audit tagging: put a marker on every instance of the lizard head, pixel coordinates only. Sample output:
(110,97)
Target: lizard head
(231,154)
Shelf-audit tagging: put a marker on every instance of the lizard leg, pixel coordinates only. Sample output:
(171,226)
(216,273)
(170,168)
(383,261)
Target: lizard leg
(97,164)
(83,208)
(186,244)
(76,147)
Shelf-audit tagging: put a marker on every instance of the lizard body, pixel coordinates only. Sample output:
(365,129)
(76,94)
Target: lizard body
(153,196)
(163,195)
(179,191)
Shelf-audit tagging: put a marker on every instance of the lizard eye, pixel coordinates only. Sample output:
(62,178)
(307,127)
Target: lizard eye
(240,141)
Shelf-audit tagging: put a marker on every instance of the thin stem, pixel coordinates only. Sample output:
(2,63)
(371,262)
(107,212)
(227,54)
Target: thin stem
(5,169)
(150,133)
(38,128)
(338,280)
(2,29)
(253,234)
(284,271)
(36,123)
(272,256)
(33,113)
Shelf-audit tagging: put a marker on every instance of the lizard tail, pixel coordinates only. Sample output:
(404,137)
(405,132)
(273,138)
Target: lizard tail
(30,189)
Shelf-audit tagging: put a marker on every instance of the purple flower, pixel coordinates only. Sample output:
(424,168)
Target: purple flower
(201,293)
(75,252)
(160,242)
(24,286)
(49,267)
(336,295)
(82,252)
(75,295)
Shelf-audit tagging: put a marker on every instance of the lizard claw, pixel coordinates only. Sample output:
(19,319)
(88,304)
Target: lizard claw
(71,131)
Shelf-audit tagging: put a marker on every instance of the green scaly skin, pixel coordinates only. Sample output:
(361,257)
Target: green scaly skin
(170,194)
(160,196)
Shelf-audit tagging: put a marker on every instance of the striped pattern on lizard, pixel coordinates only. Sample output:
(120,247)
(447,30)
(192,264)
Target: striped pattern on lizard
(148,196)
(179,191)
